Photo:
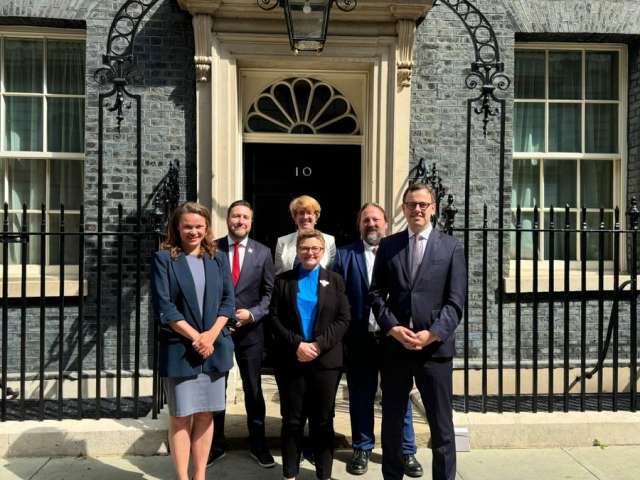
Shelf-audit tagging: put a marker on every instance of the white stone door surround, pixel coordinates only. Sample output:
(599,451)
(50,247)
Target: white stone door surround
(238,46)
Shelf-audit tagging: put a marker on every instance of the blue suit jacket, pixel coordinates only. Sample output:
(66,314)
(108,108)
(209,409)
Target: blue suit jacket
(352,266)
(174,298)
(434,300)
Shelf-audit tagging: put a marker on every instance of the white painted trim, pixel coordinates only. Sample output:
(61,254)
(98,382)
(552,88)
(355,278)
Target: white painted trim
(383,112)
(43,32)
(300,139)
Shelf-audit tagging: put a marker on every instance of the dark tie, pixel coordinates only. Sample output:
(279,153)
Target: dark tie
(374,250)
(235,271)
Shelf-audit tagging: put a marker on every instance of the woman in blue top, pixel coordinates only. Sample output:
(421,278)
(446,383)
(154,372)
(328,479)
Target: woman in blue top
(309,316)
(193,298)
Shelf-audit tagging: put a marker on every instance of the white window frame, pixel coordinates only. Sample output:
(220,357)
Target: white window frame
(619,159)
(33,270)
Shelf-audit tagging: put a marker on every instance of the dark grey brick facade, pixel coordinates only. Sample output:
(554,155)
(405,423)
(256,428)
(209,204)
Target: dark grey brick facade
(164,53)
(443,55)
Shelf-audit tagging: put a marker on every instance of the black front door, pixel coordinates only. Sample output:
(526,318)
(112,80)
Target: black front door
(276,173)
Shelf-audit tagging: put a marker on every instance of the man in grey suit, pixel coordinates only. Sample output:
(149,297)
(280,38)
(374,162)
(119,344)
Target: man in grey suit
(417,295)
(252,273)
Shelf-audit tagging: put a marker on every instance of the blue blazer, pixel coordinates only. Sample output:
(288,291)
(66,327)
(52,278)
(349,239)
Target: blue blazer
(351,265)
(174,298)
(434,300)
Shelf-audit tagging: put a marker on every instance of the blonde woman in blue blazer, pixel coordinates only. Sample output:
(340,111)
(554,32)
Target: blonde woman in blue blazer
(193,299)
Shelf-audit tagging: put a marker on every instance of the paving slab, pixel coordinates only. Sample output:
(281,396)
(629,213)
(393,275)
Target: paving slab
(531,464)
(609,463)
(21,468)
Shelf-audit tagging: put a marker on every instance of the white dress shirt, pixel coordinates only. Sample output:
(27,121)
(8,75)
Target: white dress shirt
(243,249)
(369,258)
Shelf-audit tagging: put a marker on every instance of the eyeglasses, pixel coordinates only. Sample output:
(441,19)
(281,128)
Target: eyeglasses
(422,205)
(313,250)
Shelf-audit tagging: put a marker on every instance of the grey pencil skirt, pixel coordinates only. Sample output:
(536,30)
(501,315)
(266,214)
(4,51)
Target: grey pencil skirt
(189,395)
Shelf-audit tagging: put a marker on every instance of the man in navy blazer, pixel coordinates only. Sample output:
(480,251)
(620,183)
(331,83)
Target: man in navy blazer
(417,295)
(252,272)
(355,264)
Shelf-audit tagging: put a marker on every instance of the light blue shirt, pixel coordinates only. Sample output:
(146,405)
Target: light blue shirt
(307,299)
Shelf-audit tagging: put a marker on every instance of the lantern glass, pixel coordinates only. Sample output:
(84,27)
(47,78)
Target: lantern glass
(307,21)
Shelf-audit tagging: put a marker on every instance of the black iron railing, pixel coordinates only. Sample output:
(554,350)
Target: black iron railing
(567,310)
(68,319)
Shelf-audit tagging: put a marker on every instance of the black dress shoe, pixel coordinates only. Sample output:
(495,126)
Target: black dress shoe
(215,454)
(263,457)
(359,463)
(412,467)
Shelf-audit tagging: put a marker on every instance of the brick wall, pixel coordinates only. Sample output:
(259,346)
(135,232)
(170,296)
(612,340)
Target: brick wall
(438,133)
(164,55)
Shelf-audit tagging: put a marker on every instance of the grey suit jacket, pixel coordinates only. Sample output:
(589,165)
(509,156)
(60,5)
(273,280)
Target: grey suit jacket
(254,288)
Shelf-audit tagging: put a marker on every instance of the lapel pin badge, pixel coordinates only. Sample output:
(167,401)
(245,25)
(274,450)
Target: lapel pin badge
(250,250)
(324,283)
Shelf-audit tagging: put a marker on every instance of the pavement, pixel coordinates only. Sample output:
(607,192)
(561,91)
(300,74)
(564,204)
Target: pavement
(580,463)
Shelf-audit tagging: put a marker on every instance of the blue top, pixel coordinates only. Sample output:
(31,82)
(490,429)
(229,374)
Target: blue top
(196,265)
(307,299)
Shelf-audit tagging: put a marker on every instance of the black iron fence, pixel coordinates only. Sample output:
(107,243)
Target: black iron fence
(75,314)
(551,322)
(559,330)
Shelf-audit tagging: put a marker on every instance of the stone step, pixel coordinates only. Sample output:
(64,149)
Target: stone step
(146,436)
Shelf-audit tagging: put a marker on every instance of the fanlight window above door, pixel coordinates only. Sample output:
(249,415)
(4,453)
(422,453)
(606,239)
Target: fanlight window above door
(302,106)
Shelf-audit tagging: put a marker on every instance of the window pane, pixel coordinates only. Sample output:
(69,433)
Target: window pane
(65,124)
(33,247)
(528,128)
(526,237)
(602,75)
(596,183)
(559,183)
(593,239)
(565,127)
(23,65)
(529,78)
(602,128)
(558,239)
(26,183)
(71,244)
(23,124)
(66,184)
(65,67)
(565,75)
(526,182)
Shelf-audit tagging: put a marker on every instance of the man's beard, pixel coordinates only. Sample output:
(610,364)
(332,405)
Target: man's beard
(372,237)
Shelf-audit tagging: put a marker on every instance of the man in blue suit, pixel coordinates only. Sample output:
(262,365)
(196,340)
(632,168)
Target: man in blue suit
(355,263)
(417,295)
(252,273)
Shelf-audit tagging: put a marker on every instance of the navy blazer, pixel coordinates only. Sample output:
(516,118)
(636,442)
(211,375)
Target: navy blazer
(434,300)
(351,265)
(332,320)
(253,291)
(174,298)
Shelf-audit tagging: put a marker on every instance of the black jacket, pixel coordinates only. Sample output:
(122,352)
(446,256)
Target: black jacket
(332,320)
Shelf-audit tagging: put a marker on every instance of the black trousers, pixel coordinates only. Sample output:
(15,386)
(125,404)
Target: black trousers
(249,359)
(433,378)
(307,392)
